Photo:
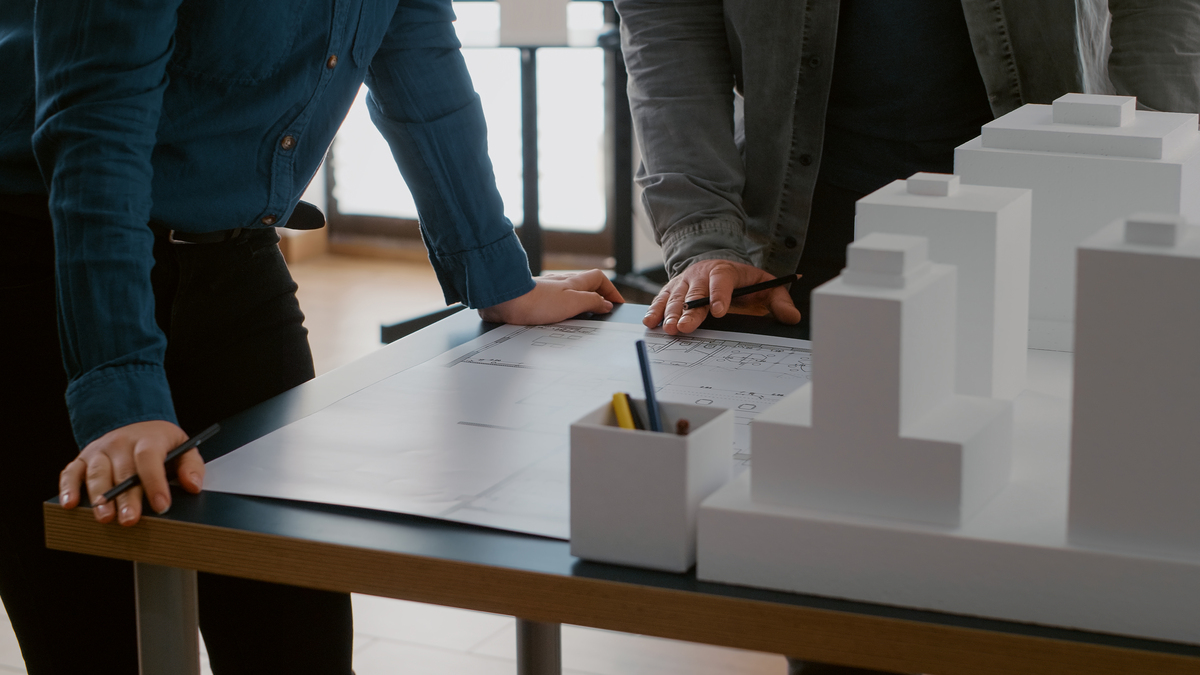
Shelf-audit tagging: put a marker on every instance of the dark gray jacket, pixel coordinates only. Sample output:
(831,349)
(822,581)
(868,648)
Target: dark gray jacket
(730,174)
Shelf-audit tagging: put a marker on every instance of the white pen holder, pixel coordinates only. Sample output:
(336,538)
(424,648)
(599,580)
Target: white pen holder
(635,494)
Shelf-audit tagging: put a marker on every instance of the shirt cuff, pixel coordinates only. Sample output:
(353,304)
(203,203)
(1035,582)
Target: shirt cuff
(704,240)
(484,276)
(111,398)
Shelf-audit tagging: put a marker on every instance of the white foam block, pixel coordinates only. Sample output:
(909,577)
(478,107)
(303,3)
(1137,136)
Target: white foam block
(933,184)
(1135,447)
(880,430)
(1082,179)
(1093,110)
(635,494)
(985,232)
(1147,134)
(1010,561)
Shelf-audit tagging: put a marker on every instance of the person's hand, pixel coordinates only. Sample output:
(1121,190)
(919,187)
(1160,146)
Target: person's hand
(717,279)
(136,448)
(556,297)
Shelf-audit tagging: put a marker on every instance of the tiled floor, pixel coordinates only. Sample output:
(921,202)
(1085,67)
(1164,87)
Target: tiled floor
(346,300)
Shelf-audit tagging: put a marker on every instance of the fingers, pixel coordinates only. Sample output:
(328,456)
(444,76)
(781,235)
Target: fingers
(721,282)
(588,301)
(670,307)
(596,281)
(782,307)
(607,290)
(654,315)
(99,479)
(136,449)
(70,481)
(129,503)
(691,319)
(677,295)
(190,469)
(148,454)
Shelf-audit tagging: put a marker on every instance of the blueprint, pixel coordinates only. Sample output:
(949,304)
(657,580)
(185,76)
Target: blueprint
(480,434)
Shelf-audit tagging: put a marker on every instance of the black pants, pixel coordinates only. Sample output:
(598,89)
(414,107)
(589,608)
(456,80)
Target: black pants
(235,338)
(830,231)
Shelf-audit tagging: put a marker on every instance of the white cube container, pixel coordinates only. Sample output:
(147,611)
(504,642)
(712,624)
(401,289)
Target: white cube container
(635,494)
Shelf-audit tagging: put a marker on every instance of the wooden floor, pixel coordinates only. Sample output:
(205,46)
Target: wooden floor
(345,301)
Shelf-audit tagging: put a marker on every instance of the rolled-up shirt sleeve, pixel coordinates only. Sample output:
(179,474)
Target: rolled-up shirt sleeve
(101,73)
(1156,53)
(681,95)
(422,101)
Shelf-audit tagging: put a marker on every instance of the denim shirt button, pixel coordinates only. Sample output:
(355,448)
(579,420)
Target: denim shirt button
(790,242)
(331,62)
(805,160)
(269,220)
(288,142)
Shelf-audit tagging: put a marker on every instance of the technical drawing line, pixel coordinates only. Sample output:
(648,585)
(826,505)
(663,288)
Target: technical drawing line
(488,346)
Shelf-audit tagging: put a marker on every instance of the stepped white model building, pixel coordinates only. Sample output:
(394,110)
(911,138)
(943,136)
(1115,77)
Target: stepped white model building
(983,231)
(880,431)
(1135,441)
(1089,160)
(1099,531)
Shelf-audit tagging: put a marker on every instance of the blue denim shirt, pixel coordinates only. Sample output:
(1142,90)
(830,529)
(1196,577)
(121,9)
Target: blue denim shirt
(206,115)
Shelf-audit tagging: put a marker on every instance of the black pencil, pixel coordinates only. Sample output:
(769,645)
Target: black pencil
(187,445)
(637,417)
(746,290)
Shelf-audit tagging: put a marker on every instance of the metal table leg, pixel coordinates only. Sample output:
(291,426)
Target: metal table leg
(539,648)
(167,616)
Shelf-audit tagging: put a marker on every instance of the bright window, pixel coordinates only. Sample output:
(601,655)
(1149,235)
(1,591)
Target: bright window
(570,129)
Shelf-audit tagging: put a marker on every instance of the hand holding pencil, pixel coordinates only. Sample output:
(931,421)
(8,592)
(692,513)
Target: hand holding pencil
(717,280)
(139,449)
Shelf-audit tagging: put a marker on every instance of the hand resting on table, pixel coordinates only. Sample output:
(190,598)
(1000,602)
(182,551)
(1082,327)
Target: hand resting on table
(717,279)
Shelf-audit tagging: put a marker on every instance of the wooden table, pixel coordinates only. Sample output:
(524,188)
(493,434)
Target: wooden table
(535,579)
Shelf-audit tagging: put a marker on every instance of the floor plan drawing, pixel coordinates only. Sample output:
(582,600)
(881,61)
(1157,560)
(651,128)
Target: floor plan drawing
(480,434)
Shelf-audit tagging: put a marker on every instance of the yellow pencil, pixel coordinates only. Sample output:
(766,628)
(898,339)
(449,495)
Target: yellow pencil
(621,408)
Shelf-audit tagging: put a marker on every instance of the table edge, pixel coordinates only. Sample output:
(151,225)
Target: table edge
(817,634)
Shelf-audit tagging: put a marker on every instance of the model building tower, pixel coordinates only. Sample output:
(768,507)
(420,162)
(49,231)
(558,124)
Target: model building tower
(1135,438)
(1089,160)
(984,232)
(880,430)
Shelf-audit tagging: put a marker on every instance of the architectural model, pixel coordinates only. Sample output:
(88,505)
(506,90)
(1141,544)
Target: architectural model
(880,430)
(984,232)
(1126,559)
(1089,160)
(1135,439)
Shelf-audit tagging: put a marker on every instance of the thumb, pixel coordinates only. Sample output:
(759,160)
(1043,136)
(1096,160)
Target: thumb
(190,470)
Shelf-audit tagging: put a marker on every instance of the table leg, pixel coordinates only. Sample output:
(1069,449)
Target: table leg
(167,616)
(539,648)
